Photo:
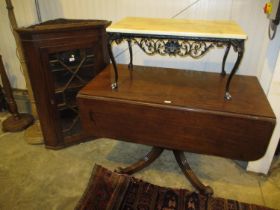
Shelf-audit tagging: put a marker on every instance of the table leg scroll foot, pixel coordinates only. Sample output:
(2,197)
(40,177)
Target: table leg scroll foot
(227,96)
(147,160)
(114,85)
(188,172)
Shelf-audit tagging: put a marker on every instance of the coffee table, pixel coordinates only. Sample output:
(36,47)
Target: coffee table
(178,37)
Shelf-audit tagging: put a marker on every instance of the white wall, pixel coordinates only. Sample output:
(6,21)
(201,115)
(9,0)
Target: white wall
(269,62)
(7,42)
(263,165)
(247,13)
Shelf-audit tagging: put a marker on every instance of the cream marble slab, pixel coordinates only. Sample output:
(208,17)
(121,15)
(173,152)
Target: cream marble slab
(179,27)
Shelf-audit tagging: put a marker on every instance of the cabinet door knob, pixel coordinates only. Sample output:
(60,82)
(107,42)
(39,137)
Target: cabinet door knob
(52,102)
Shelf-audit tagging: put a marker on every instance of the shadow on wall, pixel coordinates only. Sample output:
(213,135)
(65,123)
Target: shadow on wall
(269,65)
(50,11)
(273,50)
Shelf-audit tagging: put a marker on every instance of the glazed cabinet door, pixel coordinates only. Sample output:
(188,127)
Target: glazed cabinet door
(68,68)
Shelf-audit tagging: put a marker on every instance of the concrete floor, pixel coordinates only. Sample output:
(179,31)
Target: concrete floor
(32,177)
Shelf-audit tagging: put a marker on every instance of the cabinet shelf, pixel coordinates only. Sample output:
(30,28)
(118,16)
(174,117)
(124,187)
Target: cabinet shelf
(58,61)
(73,68)
(57,64)
(74,85)
(63,106)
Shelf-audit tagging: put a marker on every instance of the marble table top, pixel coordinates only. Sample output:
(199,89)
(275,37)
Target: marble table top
(179,27)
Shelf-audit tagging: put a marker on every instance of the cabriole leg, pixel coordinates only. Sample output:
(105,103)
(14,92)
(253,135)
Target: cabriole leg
(130,65)
(225,58)
(239,47)
(114,85)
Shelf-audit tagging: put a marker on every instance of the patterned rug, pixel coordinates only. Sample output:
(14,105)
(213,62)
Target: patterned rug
(107,190)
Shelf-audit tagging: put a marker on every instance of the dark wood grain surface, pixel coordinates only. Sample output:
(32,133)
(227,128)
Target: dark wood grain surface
(187,89)
(182,110)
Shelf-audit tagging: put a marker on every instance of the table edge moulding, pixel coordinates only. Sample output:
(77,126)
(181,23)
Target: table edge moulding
(178,37)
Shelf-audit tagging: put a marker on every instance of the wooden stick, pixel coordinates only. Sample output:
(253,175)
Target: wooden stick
(8,91)
(16,122)
(14,25)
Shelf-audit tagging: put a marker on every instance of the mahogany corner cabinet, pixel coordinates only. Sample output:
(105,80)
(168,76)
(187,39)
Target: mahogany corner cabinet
(62,55)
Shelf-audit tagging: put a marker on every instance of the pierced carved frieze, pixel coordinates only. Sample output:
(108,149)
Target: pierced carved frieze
(183,48)
(194,47)
(171,47)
